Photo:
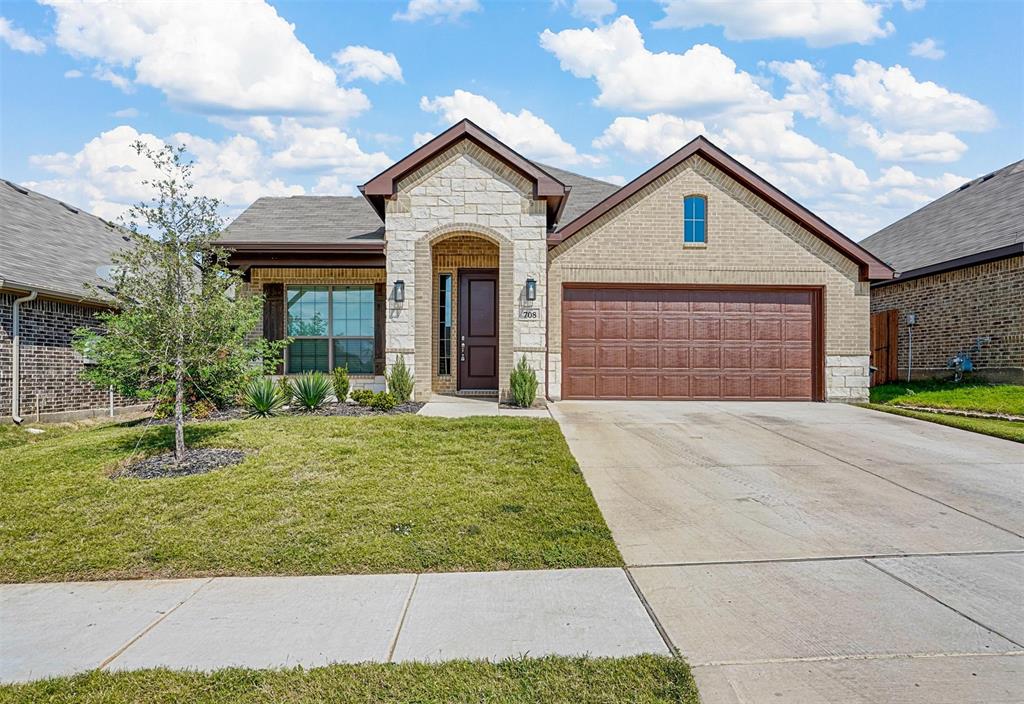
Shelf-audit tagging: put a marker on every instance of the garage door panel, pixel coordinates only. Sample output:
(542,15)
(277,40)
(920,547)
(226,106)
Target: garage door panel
(648,343)
(643,328)
(611,357)
(643,357)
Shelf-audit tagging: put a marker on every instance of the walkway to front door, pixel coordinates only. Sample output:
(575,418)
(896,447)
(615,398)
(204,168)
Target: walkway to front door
(478,330)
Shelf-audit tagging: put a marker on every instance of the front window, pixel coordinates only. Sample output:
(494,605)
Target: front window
(332,327)
(694,220)
(444,332)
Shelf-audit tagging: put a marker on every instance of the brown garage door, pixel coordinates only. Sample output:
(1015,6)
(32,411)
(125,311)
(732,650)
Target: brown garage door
(649,343)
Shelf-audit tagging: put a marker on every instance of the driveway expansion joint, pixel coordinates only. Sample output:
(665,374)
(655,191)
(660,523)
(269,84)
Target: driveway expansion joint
(867,656)
(401,620)
(825,558)
(654,617)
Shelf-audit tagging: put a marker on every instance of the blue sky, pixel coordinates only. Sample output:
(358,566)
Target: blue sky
(862,110)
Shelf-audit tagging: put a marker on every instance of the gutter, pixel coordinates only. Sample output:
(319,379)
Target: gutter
(991,255)
(16,355)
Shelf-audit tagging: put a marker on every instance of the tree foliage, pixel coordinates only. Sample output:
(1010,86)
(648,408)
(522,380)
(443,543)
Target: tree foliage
(177,330)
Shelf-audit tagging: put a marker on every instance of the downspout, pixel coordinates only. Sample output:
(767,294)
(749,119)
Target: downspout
(16,354)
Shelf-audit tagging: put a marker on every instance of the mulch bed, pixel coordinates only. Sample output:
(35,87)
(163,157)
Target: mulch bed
(329,409)
(198,460)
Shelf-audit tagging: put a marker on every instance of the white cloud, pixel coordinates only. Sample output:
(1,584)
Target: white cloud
(927,49)
(18,39)
(901,188)
(125,113)
(807,91)
(105,175)
(819,22)
(633,78)
(421,138)
(437,10)
(73,73)
(326,149)
(908,146)
(912,5)
(654,137)
(333,186)
(593,10)
(523,131)
(371,64)
(898,100)
(103,73)
(211,56)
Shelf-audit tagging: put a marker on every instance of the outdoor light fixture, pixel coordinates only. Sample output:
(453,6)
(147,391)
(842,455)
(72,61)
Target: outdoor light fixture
(531,289)
(399,291)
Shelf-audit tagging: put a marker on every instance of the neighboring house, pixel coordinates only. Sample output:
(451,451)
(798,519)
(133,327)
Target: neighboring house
(49,251)
(961,275)
(697,280)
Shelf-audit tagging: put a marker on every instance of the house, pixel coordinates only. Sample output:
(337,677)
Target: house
(49,252)
(961,281)
(697,280)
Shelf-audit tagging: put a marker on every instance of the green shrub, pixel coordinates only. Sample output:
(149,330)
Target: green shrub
(284,388)
(341,383)
(262,398)
(383,401)
(310,390)
(362,396)
(203,409)
(523,384)
(400,381)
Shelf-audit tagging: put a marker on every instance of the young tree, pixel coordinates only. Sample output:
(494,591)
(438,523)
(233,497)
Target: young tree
(179,320)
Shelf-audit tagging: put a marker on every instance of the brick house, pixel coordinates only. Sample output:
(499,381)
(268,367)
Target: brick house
(697,280)
(49,251)
(961,264)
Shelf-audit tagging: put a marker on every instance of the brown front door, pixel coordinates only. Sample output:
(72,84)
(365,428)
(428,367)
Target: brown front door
(478,330)
(682,343)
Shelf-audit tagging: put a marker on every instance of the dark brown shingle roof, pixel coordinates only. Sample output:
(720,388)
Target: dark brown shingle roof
(48,245)
(982,215)
(307,220)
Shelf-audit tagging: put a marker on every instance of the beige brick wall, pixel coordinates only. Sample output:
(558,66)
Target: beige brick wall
(749,242)
(954,309)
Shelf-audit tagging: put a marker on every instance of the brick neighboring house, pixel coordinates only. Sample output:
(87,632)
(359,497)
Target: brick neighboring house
(49,251)
(961,264)
(697,280)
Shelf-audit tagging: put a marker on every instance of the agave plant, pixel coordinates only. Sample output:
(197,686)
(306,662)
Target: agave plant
(311,390)
(263,398)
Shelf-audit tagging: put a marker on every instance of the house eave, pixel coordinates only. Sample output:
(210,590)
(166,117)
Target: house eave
(990,255)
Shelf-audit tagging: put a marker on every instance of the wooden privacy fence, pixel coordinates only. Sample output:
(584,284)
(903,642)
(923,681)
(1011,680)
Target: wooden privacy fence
(884,331)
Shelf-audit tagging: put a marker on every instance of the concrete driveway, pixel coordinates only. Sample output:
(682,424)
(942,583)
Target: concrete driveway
(812,553)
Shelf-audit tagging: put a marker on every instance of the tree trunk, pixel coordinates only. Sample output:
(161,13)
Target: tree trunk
(179,409)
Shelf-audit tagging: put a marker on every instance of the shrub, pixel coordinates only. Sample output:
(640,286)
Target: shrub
(203,409)
(400,381)
(362,396)
(284,388)
(523,384)
(310,390)
(262,398)
(341,383)
(383,401)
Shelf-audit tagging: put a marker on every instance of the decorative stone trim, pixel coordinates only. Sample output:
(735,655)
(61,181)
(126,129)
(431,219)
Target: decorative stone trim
(316,276)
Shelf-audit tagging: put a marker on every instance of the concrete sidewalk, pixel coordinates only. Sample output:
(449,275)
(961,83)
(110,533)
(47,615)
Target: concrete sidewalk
(444,406)
(205,624)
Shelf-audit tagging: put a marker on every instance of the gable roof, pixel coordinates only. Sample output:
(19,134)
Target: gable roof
(545,186)
(306,220)
(52,247)
(871,267)
(982,219)
(584,193)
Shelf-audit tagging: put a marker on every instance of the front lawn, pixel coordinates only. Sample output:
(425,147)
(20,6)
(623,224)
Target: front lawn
(963,396)
(1006,429)
(315,496)
(551,680)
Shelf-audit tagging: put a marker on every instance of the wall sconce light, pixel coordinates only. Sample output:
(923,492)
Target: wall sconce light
(399,291)
(531,289)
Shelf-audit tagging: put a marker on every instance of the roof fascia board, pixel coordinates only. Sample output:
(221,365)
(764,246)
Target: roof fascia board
(991,255)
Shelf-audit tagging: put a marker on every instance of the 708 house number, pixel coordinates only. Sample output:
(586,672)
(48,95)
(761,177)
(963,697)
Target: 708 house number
(529,314)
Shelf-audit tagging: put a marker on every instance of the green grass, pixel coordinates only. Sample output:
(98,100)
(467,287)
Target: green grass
(316,496)
(647,678)
(965,396)
(1006,429)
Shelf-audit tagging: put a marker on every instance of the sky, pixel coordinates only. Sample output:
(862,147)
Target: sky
(861,110)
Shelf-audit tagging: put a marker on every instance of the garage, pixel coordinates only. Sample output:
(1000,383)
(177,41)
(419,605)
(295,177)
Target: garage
(686,343)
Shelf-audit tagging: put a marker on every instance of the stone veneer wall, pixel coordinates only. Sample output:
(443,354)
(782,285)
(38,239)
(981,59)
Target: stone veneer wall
(749,242)
(465,190)
(953,309)
(449,256)
(50,370)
